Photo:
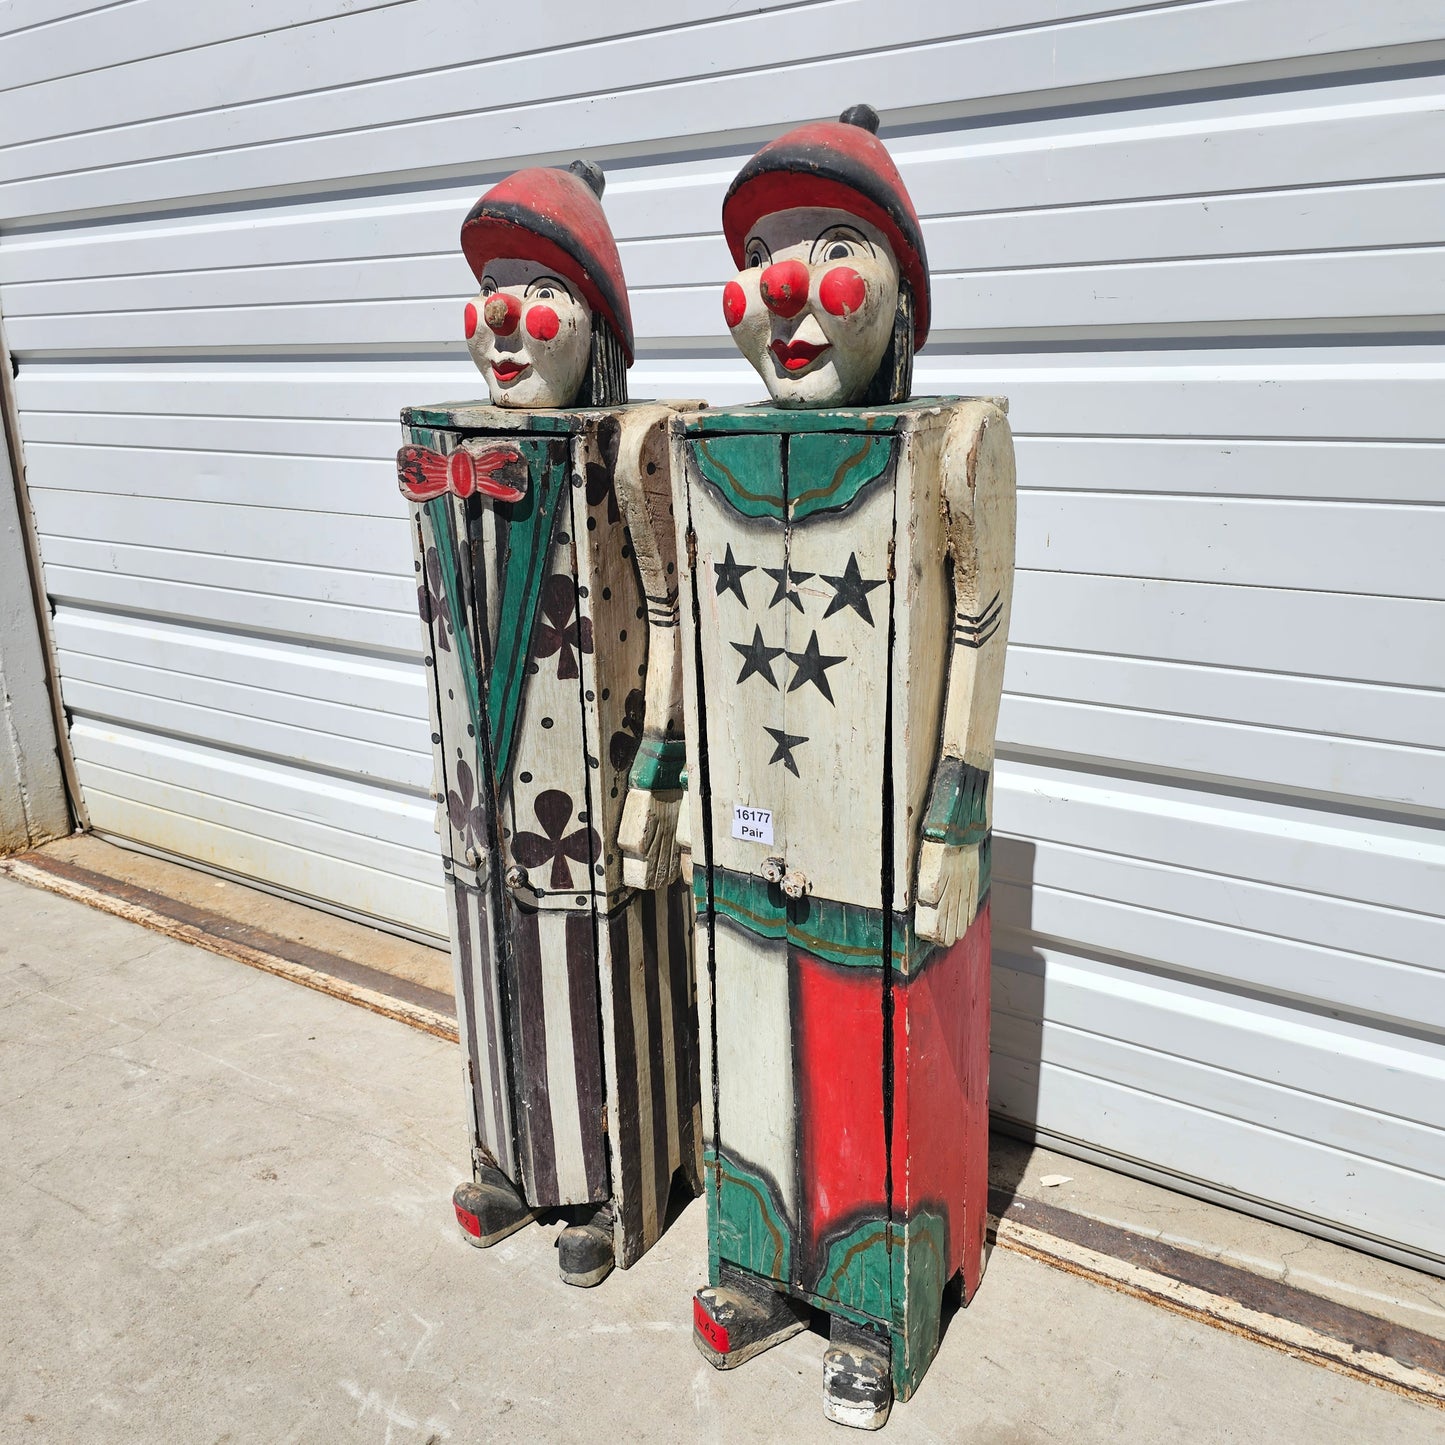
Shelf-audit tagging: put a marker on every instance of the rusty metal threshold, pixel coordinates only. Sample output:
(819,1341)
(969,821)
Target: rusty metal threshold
(1269,1311)
(410,1003)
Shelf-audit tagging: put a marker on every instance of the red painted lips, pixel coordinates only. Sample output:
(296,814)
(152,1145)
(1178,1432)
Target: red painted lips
(509,370)
(797,355)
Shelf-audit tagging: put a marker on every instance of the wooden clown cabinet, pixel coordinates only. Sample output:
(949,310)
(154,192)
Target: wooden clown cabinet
(546,580)
(848,557)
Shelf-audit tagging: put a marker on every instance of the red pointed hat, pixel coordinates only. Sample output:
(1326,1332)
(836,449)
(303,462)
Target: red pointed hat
(554,217)
(843,165)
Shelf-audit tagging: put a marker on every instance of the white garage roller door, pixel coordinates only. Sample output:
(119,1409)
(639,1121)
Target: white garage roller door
(1198,244)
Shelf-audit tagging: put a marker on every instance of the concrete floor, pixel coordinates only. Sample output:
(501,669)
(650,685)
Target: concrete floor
(226,1218)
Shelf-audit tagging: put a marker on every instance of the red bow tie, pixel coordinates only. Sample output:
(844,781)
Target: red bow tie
(424,474)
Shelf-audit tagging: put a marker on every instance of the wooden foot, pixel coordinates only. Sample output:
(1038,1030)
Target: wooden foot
(584,1251)
(489,1207)
(857,1376)
(741,1317)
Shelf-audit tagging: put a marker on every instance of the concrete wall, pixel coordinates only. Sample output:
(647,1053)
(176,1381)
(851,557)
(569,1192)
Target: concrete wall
(32,787)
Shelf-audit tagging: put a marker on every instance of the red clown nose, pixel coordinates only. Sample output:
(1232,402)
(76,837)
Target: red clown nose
(502,313)
(784,288)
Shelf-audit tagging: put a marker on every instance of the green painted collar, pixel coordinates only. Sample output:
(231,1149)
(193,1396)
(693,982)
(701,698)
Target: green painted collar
(759,418)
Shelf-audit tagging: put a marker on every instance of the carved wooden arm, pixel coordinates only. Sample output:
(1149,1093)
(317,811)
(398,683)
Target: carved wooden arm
(647,835)
(978,515)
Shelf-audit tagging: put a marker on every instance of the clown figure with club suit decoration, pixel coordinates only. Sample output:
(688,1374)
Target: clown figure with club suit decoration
(847,561)
(547,584)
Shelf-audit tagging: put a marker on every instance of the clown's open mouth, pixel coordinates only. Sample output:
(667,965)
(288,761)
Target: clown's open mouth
(797,355)
(506,371)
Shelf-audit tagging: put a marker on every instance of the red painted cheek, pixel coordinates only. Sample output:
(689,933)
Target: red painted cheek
(842,291)
(735,303)
(542,322)
(470,320)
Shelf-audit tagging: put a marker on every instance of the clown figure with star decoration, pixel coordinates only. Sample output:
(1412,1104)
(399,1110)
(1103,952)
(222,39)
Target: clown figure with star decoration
(547,584)
(848,557)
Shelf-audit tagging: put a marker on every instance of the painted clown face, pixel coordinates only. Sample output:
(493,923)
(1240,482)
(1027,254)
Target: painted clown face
(813,308)
(530,334)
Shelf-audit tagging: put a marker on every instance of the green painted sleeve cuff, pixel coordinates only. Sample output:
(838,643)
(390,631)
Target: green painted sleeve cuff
(958,809)
(659,765)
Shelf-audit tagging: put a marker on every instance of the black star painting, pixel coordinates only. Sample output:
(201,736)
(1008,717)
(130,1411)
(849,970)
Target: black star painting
(851,591)
(783,752)
(730,576)
(758,658)
(812,666)
(786,581)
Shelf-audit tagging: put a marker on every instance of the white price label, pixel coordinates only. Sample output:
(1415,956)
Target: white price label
(753,825)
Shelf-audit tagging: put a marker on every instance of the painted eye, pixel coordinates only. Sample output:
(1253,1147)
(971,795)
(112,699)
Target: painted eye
(756,256)
(838,244)
(489,288)
(545,294)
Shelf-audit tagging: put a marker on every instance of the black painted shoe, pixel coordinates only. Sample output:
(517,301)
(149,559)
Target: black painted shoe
(584,1251)
(489,1207)
(741,1317)
(857,1376)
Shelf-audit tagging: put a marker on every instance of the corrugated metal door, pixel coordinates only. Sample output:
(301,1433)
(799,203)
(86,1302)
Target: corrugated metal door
(1200,246)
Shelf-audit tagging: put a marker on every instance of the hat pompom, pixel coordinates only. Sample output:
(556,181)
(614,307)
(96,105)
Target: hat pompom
(591,173)
(863,116)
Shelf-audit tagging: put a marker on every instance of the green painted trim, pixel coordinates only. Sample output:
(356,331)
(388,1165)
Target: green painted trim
(745,898)
(709,1189)
(529,543)
(958,807)
(777,421)
(659,765)
(422,416)
(841,933)
(443,522)
(827,470)
(748,1227)
(746,470)
(892,1273)
(919,1272)
(857,1271)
